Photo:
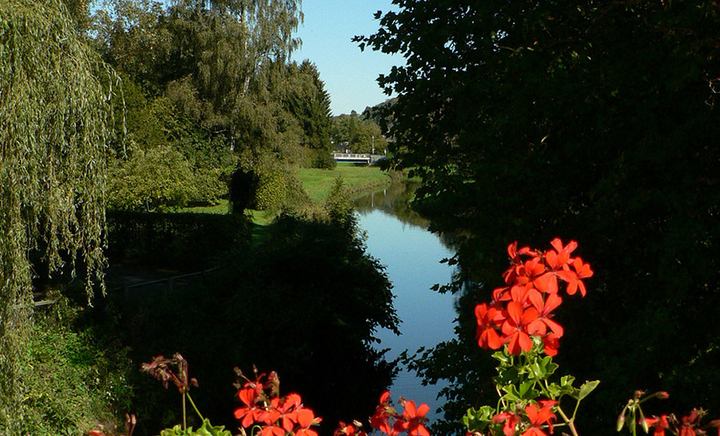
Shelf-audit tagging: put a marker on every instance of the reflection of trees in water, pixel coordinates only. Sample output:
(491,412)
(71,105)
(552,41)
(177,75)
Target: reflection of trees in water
(396,200)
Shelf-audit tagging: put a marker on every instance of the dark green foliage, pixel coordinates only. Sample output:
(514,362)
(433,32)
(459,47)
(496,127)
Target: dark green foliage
(74,380)
(588,121)
(338,204)
(306,303)
(358,135)
(304,96)
(156,179)
(162,159)
(324,160)
(271,190)
(54,129)
(178,240)
(212,81)
(243,185)
(381,114)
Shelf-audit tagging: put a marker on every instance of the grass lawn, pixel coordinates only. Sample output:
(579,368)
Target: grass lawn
(221,208)
(317,183)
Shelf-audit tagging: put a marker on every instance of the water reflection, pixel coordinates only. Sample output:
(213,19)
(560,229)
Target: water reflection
(399,238)
(395,201)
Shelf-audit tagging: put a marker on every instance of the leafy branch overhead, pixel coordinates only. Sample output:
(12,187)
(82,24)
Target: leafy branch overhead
(590,119)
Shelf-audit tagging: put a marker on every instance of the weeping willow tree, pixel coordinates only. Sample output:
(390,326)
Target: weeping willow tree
(54,123)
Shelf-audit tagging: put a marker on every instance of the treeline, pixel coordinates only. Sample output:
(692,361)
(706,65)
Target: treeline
(206,89)
(358,134)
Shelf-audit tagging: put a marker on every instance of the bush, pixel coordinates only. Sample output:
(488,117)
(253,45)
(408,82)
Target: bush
(73,380)
(322,159)
(177,239)
(271,190)
(307,301)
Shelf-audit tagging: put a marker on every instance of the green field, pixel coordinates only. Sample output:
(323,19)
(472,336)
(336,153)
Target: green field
(318,183)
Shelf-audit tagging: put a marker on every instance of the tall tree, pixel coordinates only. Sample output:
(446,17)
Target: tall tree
(303,95)
(585,120)
(214,58)
(55,114)
(212,66)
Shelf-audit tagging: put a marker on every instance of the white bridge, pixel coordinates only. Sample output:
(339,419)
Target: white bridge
(360,158)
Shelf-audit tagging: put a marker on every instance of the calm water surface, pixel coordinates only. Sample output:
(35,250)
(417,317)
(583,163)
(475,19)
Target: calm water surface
(399,239)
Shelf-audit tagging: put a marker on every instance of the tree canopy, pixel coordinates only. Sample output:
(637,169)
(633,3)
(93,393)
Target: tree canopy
(591,121)
(55,126)
(358,134)
(213,81)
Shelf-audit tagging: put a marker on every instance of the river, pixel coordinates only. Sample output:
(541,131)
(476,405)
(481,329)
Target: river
(399,239)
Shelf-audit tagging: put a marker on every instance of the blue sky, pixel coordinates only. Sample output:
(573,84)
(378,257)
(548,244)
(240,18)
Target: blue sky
(349,74)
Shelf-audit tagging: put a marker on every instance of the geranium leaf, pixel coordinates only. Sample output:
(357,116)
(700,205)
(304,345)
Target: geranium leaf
(587,388)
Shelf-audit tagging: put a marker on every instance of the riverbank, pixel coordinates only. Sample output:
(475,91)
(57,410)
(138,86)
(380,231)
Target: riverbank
(358,179)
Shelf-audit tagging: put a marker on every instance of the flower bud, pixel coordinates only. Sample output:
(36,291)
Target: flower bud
(643,423)
(621,420)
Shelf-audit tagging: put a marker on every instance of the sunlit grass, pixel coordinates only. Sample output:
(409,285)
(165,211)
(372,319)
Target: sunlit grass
(318,183)
(221,208)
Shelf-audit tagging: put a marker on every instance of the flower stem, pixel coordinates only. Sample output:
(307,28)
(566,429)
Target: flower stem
(184,413)
(194,406)
(570,423)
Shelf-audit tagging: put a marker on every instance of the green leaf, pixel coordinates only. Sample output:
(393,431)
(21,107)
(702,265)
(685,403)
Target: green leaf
(585,389)
(537,371)
(549,366)
(502,357)
(588,387)
(566,381)
(511,393)
(555,391)
(526,390)
(476,420)
(507,376)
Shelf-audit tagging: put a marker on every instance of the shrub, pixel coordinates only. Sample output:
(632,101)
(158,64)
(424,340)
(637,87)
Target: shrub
(73,380)
(178,239)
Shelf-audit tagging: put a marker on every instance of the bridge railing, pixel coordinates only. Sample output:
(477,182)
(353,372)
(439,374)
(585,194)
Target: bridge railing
(357,157)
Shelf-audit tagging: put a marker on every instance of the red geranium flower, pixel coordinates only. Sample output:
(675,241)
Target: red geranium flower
(413,419)
(511,420)
(488,319)
(306,418)
(582,271)
(551,343)
(249,414)
(348,430)
(515,327)
(561,256)
(660,424)
(272,430)
(687,428)
(380,418)
(539,417)
(544,308)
